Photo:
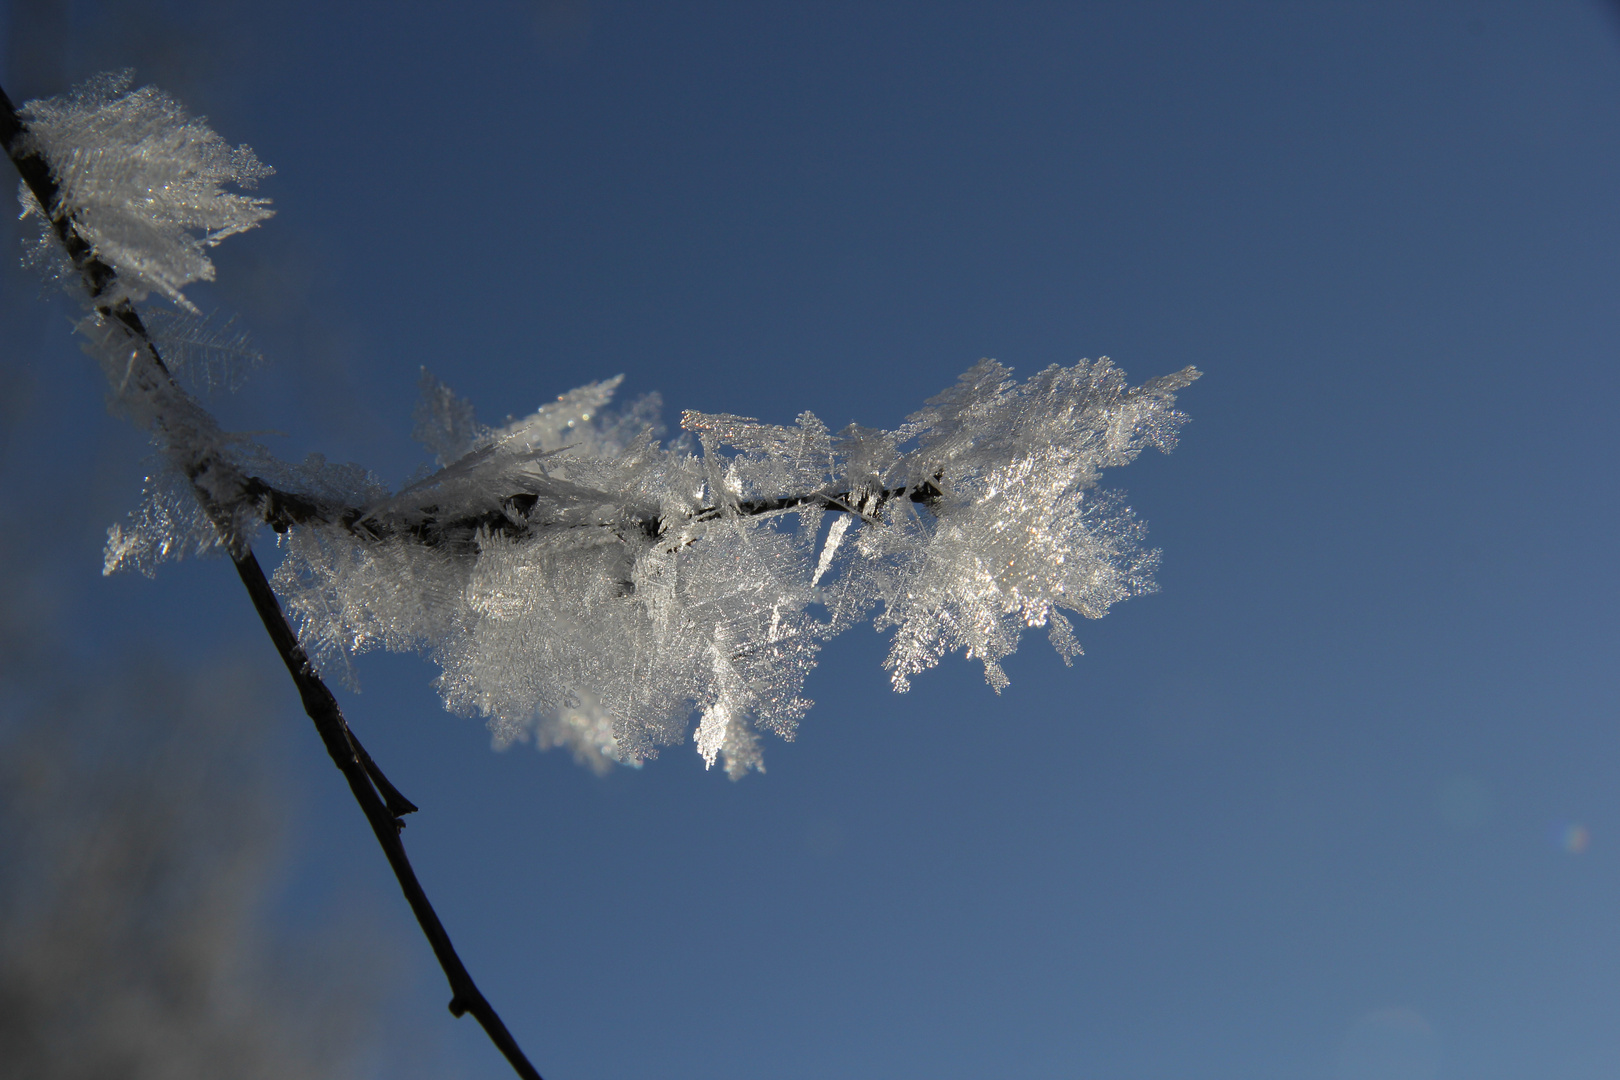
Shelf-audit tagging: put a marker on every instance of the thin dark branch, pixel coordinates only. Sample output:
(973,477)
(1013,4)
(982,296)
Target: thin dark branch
(352,761)
(283,510)
(397,804)
(379,800)
(863,506)
(36,173)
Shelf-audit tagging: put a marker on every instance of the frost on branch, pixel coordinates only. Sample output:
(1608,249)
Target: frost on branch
(1021,528)
(579,581)
(143,183)
(592,588)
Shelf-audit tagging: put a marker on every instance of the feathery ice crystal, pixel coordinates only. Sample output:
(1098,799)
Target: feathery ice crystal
(579,581)
(141,178)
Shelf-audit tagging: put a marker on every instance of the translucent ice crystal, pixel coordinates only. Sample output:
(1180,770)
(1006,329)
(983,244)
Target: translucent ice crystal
(143,182)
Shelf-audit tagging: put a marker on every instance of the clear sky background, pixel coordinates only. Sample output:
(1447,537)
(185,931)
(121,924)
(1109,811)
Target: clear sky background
(1342,802)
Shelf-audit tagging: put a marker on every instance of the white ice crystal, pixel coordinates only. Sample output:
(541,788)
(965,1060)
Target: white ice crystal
(555,572)
(580,582)
(143,183)
(207,352)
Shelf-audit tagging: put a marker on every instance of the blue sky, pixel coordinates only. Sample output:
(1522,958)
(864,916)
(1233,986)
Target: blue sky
(1339,803)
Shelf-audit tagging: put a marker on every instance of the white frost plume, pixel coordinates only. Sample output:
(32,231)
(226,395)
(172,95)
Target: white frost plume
(143,183)
(594,590)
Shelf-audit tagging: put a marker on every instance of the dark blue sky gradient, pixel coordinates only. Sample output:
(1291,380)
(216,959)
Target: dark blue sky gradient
(1301,815)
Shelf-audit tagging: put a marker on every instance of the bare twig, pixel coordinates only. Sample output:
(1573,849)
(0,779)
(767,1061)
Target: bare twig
(357,769)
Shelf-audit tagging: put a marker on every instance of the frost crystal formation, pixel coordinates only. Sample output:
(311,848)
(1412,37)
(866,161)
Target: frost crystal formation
(143,181)
(583,584)
(580,582)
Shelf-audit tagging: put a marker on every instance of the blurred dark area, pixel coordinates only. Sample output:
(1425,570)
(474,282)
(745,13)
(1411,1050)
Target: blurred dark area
(138,846)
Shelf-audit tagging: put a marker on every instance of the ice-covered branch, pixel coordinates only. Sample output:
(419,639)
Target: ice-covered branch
(579,581)
(629,582)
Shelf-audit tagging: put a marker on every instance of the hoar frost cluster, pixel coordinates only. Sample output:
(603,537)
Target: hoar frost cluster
(581,582)
(144,182)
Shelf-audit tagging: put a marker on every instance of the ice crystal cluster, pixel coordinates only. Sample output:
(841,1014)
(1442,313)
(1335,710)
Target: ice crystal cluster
(144,182)
(581,582)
